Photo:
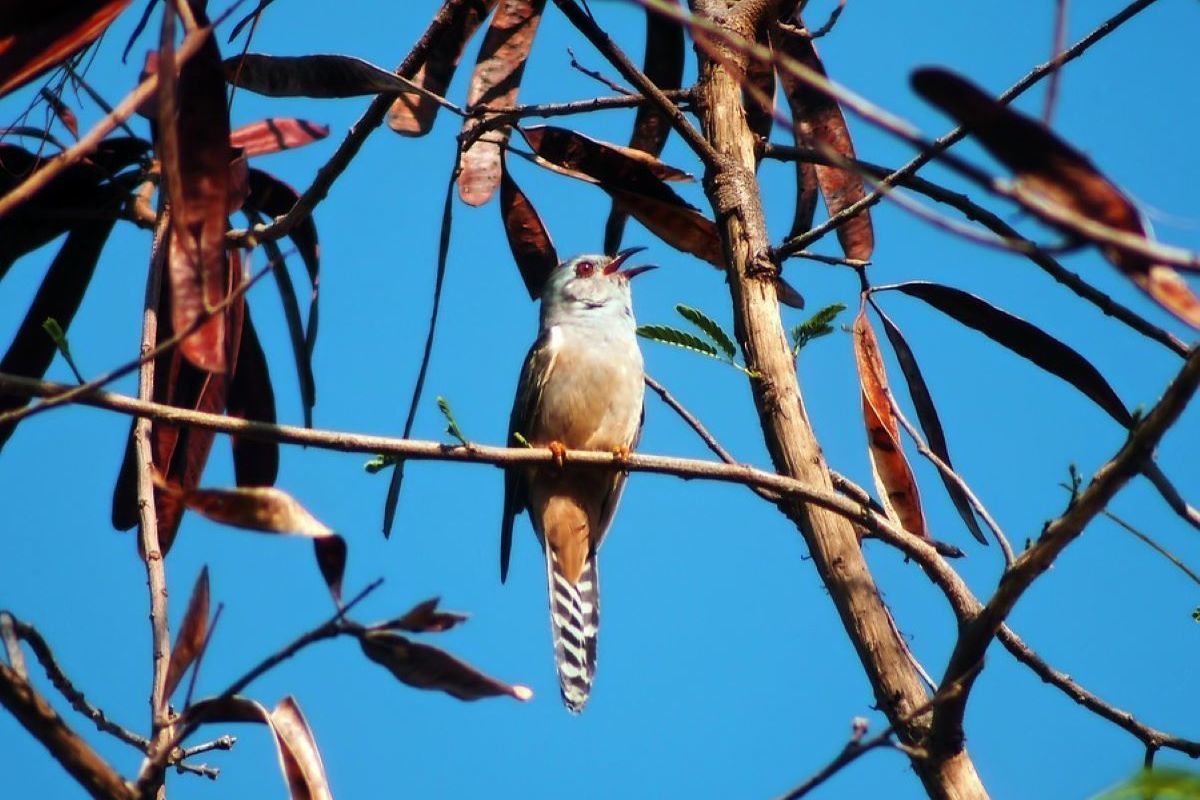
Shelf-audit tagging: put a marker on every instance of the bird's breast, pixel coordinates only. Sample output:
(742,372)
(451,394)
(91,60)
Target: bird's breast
(592,399)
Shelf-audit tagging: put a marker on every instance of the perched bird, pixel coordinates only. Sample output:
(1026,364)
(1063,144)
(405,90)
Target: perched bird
(581,388)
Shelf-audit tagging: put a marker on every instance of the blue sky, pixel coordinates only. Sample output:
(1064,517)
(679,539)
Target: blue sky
(724,671)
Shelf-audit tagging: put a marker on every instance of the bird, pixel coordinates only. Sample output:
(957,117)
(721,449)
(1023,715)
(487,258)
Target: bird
(581,387)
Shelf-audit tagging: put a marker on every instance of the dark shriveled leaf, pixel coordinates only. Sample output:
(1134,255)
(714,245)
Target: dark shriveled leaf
(532,248)
(58,298)
(663,65)
(276,133)
(271,196)
(319,76)
(269,510)
(819,123)
(193,632)
(330,552)
(251,396)
(675,222)
(424,617)
(607,163)
(301,353)
(40,35)
(931,424)
(495,82)
(427,667)
(274,198)
(1024,339)
(635,181)
(1052,169)
(195,156)
(413,114)
(70,200)
(894,477)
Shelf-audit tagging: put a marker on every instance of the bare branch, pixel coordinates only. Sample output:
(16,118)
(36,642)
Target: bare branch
(63,684)
(975,636)
(1152,738)
(77,757)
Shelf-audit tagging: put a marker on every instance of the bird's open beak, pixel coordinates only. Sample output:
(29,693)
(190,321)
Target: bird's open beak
(633,272)
(621,257)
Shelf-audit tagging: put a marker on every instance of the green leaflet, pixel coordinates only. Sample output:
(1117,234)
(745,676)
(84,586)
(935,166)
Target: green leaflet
(1161,783)
(673,336)
(451,423)
(710,328)
(816,326)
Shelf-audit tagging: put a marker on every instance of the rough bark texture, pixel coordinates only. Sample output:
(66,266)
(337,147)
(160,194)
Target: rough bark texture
(733,191)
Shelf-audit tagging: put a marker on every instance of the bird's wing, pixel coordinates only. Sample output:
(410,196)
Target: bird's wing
(539,363)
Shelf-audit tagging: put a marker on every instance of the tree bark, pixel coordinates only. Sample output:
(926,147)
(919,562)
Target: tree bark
(734,193)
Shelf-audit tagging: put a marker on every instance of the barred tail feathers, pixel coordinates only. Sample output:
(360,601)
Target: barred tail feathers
(574,624)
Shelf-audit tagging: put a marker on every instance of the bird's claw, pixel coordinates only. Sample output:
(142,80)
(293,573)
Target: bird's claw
(559,451)
(621,455)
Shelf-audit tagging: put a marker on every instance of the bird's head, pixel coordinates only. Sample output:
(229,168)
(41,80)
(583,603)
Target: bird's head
(591,285)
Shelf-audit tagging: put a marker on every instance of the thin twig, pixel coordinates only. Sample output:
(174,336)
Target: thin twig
(857,747)
(75,755)
(60,681)
(150,547)
(856,263)
(1056,47)
(696,425)
(607,48)
(82,390)
(1158,548)
(994,223)
(393,493)
(596,76)
(829,23)
(1153,739)
(1171,495)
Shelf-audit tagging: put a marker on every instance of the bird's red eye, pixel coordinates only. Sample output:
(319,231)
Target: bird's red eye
(584,269)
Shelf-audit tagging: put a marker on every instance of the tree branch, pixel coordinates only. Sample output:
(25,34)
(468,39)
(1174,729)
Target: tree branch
(975,637)
(151,551)
(1152,738)
(733,192)
(417,450)
(79,760)
(62,683)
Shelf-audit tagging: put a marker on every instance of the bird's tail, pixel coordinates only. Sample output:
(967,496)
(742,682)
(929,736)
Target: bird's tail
(574,623)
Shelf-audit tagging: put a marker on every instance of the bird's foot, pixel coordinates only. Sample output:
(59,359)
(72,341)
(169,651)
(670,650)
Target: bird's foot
(621,455)
(559,451)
